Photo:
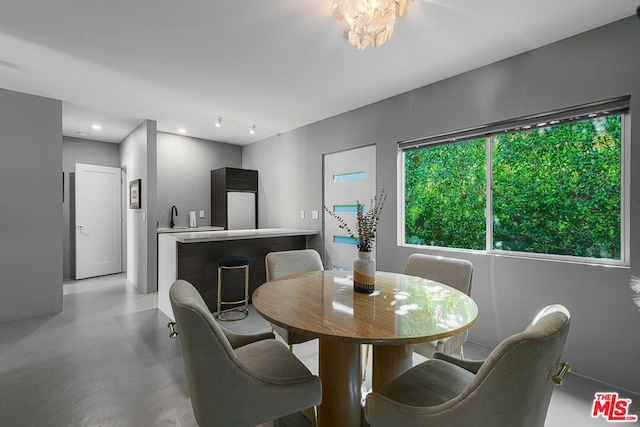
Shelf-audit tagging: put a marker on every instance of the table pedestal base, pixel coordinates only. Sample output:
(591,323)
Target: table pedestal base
(389,362)
(340,367)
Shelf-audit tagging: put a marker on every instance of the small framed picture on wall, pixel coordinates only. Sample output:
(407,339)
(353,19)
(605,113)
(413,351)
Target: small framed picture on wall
(135,194)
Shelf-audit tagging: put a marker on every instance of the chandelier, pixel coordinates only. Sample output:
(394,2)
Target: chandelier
(369,22)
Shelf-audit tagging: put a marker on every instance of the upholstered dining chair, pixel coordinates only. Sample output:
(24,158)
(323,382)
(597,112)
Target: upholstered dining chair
(512,387)
(452,272)
(285,263)
(233,379)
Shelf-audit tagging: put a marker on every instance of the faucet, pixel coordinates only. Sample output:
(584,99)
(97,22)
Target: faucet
(172,223)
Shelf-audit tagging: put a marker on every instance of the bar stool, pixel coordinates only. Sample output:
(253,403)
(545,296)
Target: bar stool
(233,263)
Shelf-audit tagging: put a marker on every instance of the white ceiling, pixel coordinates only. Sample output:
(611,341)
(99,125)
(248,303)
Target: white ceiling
(278,64)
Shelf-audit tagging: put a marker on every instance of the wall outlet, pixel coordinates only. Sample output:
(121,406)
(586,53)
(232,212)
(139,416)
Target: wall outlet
(201,213)
(144,217)
(314,215)
(301,214)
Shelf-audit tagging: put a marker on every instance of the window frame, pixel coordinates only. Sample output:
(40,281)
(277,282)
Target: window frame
(625,177)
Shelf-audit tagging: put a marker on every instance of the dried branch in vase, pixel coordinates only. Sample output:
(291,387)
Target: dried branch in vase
(366,222)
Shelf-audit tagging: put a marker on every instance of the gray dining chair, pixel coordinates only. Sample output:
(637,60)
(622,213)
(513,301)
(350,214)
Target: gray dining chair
(285,263)
(453,272)
(233,379)
(512,387)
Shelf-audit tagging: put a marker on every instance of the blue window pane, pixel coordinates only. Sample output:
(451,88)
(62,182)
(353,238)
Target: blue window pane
(351,176)
(345,208)
(345,240)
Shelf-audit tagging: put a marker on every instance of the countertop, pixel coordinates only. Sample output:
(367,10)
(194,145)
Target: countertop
(187,229)
(221,235)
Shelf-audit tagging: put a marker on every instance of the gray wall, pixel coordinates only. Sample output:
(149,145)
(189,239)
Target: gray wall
(31,210)
(76,150)
(184,171)
(600,64)
(138,155)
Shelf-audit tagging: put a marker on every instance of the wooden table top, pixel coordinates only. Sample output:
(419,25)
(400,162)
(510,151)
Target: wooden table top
(402,310)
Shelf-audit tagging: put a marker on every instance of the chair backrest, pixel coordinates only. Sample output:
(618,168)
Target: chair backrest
(280,264)
(513,387)
(213,375)
(453,272)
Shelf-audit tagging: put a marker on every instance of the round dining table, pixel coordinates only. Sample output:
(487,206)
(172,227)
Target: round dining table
(401,311)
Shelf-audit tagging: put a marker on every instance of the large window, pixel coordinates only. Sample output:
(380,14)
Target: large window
(550,186)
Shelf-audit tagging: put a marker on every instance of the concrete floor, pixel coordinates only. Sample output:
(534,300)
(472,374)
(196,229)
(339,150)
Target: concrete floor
(106,360)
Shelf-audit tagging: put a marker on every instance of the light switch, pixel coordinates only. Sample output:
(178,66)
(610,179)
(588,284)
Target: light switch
(201,213)
(314,214)
(301,214)
(144,217)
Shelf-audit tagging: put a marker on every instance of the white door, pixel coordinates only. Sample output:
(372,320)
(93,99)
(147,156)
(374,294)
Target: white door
(349,178)
(98,221)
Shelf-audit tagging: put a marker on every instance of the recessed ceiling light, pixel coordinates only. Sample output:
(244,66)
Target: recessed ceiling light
(96,126)
(182,130)
(217,121)
(252,129)
(82,134)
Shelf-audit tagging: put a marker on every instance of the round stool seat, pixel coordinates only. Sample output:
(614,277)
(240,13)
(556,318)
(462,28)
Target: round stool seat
(233,261)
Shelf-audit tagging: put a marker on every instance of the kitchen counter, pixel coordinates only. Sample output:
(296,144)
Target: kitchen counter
(198,229)
(260,233)
(191,255)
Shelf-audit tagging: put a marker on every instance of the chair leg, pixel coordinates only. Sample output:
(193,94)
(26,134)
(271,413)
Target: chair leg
(314,421)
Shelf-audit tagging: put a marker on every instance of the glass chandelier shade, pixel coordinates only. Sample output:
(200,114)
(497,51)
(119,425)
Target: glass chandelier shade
(369,22)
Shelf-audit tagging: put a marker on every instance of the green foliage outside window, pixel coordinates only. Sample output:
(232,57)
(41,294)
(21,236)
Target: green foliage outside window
(445,195)
(556,190)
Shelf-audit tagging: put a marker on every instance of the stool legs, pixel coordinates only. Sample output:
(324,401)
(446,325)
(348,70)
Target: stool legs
(245,311)
(219,292)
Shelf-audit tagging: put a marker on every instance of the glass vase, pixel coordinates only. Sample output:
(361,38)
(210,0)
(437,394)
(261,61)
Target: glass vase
(364,273)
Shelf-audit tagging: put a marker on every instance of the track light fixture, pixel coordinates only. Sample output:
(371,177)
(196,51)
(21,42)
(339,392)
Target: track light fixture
(217,121)
(252,129)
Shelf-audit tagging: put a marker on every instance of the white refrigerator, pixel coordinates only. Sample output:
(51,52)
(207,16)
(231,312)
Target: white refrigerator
(241,210)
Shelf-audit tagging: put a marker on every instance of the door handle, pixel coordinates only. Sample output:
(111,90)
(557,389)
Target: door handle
(80,227)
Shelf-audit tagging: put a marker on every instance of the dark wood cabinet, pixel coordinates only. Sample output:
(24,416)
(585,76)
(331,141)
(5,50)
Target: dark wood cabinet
(224,180)
(240,179)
